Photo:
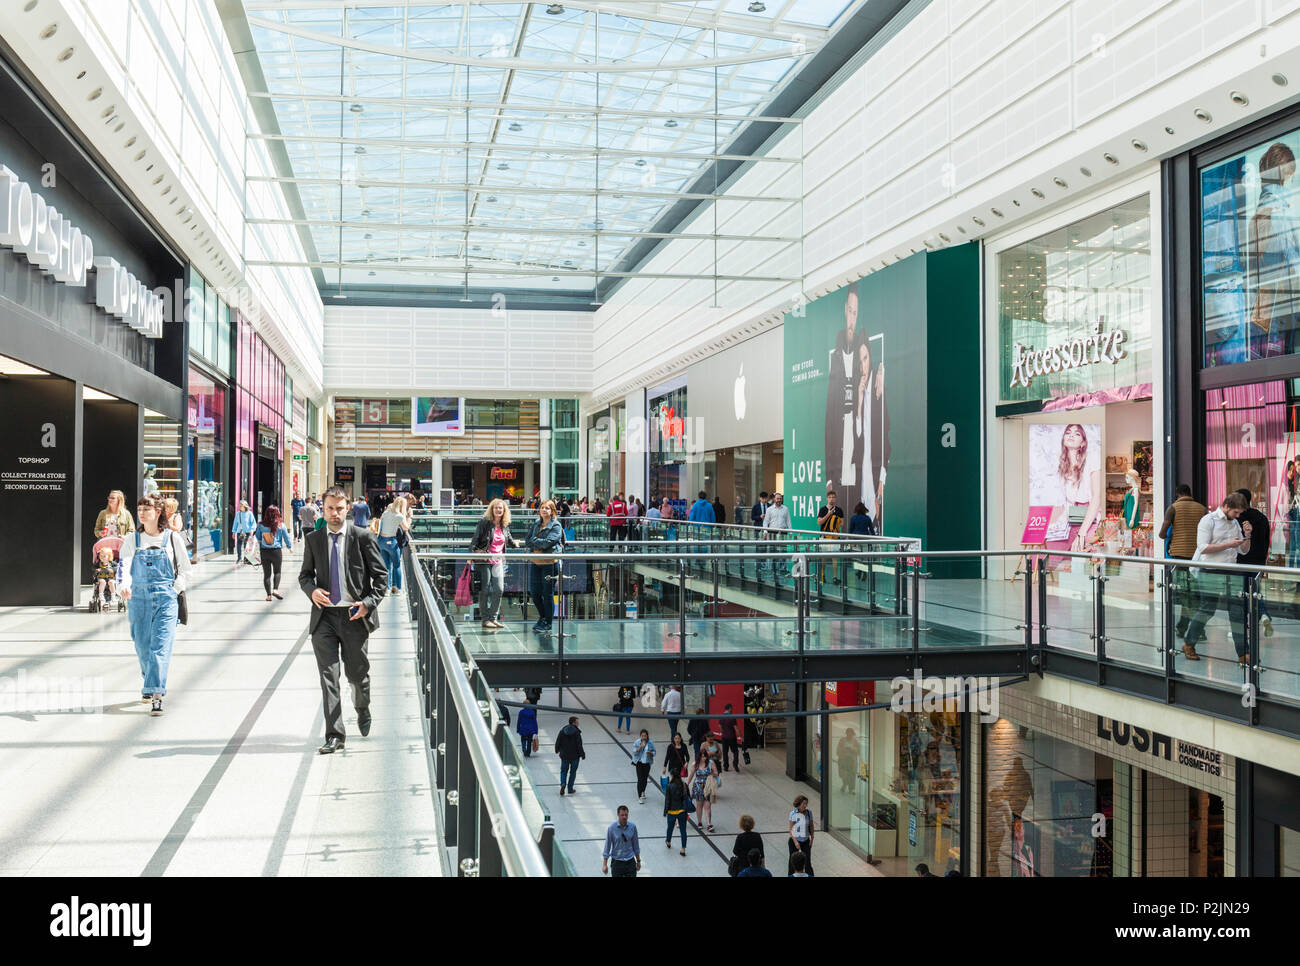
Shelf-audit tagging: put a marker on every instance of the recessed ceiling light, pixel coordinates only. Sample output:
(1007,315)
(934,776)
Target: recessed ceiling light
(1168,129)
(503,166)
(670,123)
(1036,193)
(1110,158)
(516,126)
(640,162)
(1238,98)
(359,149)
(1202,115)
(1138,145)
(978,221)
(67,53)
(492,199)
(1280,80)
(1060,182)
(555,9)
(356,108)
(49,31)
(996,212)
(758,6)
(1086,172)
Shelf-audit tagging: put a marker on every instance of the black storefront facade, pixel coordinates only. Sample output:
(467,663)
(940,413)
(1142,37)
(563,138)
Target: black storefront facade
(1232,287)
(93,375)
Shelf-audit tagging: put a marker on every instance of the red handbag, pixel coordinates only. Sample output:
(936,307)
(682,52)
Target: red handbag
(464,594)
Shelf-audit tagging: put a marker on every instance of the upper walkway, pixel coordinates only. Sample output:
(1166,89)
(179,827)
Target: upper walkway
(227,781)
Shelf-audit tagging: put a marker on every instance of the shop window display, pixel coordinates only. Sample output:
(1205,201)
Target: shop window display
(895,787)
(1250,254)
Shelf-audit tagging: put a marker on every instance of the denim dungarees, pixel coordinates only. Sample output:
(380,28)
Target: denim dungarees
(152,613)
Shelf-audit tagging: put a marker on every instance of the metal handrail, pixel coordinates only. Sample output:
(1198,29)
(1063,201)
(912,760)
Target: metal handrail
(520,854)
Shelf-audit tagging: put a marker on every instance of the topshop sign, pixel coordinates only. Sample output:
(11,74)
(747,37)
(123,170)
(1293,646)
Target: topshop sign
(33,227)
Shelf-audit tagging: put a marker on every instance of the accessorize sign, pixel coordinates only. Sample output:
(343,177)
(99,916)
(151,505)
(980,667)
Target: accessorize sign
(33,227)
(1028,362)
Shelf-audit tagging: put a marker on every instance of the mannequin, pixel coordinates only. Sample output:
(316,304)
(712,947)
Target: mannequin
(150,485)
(1132,510)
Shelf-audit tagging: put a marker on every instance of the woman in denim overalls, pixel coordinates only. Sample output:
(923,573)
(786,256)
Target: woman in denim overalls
(151,599)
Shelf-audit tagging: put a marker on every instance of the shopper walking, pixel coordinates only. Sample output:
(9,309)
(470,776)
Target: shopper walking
(671,705)
(713,749)
(702,510)
(272,540)
(491,537)
(676,758)
(757,511)
(307,515)
(704,789)
(1220,538)
(643,757)
(747,842)
(361,512)
(296,505)
(1179,530)
(343,573)
(115,519)
(568,745)
(617,513)
(545,539)
(622,848)
(776,524)
(634,514)
(241,528)
(675,809)
(1260,535)
(155,570)
(526,726)
(625,703)
(697,729)
(732,729)
(800,838)
(393,527)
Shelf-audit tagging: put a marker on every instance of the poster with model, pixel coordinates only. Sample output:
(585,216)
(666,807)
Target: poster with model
(1066,473)
(1250,230)
(881,401)
(437,416)
(857,415)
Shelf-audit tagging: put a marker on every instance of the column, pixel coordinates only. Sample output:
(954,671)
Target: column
(545,467)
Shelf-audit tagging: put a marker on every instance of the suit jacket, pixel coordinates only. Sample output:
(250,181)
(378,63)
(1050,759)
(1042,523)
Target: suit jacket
(878,413)
(834,443)
(366,579)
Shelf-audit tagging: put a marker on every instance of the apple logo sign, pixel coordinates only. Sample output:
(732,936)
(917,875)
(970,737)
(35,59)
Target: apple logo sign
(740,393)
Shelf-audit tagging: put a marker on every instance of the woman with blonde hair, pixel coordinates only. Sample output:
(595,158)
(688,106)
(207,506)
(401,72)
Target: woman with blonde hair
(388,527)
(492,536)
(115,517)
(546,539)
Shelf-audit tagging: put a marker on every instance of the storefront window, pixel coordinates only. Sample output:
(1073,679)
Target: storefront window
(895,782)
(1289,853)
(667,446)
(1250,245)
(1074,310)
(1042,799)
(207,411)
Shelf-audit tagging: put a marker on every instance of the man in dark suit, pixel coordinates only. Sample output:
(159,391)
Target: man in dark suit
(871,432)
(345,576)
(841,402)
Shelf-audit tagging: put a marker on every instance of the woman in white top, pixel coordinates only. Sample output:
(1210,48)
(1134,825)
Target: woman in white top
(155,569)
(1082,485)
(391,525)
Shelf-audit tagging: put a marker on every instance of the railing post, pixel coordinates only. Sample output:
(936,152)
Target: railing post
(558,597)
(1040,568)
(681,619)
(1029,619)
(715,587)
(916,613)
(449,755)
(467,806)
(1167,640)
(1099,616)
(547,846)
(801,611)
(900,571)
(1253,600)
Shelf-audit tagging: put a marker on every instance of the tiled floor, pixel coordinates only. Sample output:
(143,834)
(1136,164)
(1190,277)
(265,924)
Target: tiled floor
(606,779)
(228,781)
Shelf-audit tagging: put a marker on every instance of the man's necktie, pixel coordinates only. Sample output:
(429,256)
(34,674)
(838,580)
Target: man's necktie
(336,576)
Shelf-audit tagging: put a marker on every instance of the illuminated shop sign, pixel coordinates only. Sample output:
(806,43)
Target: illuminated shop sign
(503,473)
(36,229)
(1028,362)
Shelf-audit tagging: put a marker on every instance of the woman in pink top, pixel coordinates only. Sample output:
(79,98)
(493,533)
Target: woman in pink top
(492,536)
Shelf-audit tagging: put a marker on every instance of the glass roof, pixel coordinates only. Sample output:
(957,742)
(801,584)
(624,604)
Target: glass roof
(431,141)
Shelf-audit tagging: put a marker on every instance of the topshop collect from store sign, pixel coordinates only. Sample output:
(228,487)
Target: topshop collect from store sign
(31,226)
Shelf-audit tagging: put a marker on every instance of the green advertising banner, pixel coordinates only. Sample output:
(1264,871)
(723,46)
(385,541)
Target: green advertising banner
(882,400)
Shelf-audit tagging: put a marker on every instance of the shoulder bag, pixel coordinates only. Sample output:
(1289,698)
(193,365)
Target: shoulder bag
(182,605)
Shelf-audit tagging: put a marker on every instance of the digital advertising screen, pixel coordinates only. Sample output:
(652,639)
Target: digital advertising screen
(437,416)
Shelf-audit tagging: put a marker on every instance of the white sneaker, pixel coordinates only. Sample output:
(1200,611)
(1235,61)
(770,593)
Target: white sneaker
(641,800)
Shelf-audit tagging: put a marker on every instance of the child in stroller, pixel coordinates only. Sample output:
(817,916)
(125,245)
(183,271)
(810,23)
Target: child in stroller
(107,561)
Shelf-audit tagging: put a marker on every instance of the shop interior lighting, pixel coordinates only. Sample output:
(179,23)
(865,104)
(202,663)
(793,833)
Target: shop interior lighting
(88,393)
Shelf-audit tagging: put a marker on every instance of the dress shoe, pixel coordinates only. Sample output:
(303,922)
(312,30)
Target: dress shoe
(331,745)
(1190,653)
(363,721)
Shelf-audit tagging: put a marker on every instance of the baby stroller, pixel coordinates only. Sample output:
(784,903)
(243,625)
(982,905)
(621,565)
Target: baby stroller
(107,557)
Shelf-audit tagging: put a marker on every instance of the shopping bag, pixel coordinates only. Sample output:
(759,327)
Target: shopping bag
(744,753)
(464,595)
(536,744)
(663,783)
(250,551)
